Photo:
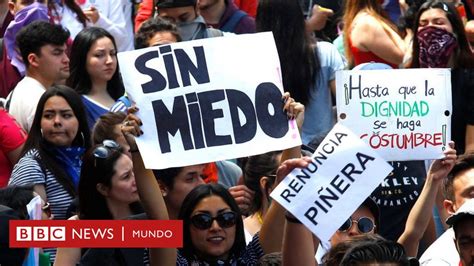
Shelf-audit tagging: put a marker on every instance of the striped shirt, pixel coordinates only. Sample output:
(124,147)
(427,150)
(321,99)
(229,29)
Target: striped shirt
(250,256)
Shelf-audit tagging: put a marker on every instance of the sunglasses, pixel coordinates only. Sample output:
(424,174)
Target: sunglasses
(364,225)
(46,208)
(105,150)
(204,221)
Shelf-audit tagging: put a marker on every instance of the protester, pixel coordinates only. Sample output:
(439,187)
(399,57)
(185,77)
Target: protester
(156,31)
(12,139)
(204,242)
(259,176)
(298,245)
(226,16)
(440,41)
(94,71)
(462,223)
(184,13)
(308,71)
(43,49)
(25,12)
(457,189)
(51,158)
(270,235)
(370,36)
(107,191)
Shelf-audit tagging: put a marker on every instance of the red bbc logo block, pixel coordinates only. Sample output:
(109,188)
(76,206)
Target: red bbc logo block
(40,233)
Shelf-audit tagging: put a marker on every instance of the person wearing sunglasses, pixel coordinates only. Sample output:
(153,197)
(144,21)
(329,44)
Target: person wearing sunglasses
(212,228)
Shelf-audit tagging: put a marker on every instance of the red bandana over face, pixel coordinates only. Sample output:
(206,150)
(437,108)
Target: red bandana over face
(436,47)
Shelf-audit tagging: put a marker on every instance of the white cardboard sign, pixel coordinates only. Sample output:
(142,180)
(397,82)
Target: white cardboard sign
(343,173)
(207,100)
(404,114)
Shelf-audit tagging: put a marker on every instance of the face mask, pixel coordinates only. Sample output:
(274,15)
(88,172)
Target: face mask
(436,47)
(191,30)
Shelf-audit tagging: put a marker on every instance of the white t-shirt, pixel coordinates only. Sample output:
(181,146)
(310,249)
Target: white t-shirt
(24,99)
(442,251)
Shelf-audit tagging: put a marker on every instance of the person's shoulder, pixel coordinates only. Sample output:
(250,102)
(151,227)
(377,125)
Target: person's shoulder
(365,21)
(442,250)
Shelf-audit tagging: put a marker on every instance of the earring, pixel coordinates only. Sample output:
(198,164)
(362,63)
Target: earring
(83,139)
(41,130)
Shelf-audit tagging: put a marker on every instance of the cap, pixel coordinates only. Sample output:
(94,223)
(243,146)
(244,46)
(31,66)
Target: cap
(467,209)
(373,208)
(174,3)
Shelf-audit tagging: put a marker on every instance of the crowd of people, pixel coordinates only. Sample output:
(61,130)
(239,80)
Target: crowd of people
(68,130)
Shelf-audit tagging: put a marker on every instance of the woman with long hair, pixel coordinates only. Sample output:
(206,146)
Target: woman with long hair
(107,191)
(440,41)
(94,71)
(51,157)
(370,36)
(308,69)
(259,173)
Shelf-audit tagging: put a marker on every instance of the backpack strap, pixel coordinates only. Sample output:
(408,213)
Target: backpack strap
(232,22)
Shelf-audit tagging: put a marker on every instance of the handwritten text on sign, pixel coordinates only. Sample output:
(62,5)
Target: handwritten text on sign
(208,100)
(343,173)
(396,111)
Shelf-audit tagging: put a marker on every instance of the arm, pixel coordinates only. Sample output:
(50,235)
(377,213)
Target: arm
(148,189)
(369,34)
(271,234)
(14,155)
(421,212)
(318,19)
(470,30)
(298,245)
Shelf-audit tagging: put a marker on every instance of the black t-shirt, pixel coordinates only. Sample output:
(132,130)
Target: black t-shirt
(462,81)
(397,194)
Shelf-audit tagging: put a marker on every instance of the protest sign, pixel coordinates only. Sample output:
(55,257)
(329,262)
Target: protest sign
(404,114)
(207,100)
(343,173)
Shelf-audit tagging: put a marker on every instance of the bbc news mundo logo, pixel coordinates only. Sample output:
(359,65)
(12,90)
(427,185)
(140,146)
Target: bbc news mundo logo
(96,233)
(40,233)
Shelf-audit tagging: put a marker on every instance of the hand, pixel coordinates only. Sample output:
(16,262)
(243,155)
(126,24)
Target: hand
(92,14)
(294,110)
(287,166)
(243,196)
(318,19)
(440,168)
(131,127)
